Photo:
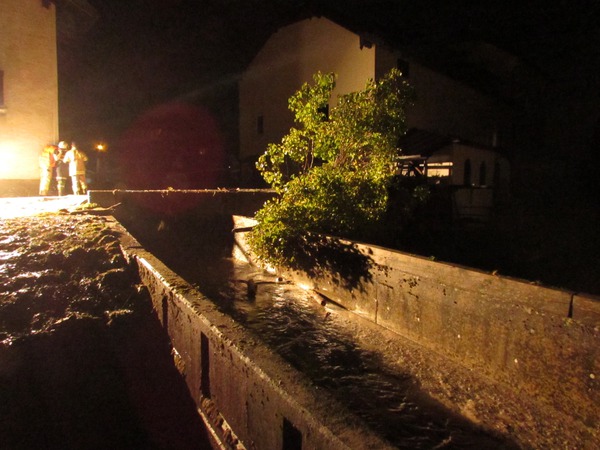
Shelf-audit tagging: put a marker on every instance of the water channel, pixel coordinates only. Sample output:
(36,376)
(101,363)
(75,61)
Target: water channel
(322,341)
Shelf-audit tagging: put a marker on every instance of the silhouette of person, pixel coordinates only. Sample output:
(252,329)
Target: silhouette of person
(76,160)
(61,167)
(46,162)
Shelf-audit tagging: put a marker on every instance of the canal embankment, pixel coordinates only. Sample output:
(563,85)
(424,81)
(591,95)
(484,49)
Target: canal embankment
(507,351)
(541,342)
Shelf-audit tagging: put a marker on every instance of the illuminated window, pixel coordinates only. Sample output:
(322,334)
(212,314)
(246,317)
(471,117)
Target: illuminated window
(1,88)
(439,170)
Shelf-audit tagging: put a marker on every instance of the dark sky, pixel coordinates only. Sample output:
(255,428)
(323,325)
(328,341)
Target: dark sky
(141,53)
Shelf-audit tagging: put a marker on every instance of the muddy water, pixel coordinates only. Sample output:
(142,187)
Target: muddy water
(83,362)
(320,341)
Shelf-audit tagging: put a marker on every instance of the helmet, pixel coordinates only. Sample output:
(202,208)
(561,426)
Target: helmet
(63,145)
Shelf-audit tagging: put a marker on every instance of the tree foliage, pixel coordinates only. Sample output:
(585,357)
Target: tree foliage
(334,169)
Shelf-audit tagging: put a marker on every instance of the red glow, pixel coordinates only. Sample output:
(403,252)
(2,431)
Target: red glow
(175,145)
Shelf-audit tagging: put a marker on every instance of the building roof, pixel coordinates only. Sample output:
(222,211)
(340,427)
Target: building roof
(422,143)
(468,58)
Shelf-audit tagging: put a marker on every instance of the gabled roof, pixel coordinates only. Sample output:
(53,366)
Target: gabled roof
(424,143)
(467,58)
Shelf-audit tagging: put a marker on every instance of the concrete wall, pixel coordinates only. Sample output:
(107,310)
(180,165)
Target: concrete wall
(543,342)
(29,115)
(247,395)
(202,202)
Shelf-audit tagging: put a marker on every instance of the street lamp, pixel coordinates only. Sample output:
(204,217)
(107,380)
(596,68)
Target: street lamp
(100,149)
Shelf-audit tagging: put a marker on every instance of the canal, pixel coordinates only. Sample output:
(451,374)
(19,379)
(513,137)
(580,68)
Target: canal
(339,352)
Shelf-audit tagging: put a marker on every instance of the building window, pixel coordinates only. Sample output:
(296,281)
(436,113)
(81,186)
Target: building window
(260,124)
(402,66)
(482,174)
(467,173)
(1,88)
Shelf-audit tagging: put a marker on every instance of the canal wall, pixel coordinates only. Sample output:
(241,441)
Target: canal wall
(542,342)
(247,395)
(169,203)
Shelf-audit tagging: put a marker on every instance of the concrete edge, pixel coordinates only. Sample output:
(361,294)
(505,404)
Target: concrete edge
(586,309)
(317,416)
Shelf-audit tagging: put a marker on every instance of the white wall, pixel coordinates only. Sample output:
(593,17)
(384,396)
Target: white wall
(290,58)
(29,61)
(293,54)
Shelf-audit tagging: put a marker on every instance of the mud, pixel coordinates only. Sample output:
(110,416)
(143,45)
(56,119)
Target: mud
(83,361)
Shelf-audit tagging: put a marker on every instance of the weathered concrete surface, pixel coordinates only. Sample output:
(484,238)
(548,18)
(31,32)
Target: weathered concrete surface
(543,342)
(248,395)
(540,343)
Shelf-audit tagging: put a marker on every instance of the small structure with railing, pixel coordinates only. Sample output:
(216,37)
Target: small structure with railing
(476,178)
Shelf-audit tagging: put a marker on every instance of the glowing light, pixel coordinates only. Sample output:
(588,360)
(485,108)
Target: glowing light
(30,206)
(101,147)
(19,157)
(9,152)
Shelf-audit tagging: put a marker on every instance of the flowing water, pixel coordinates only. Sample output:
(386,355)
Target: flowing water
(311,337)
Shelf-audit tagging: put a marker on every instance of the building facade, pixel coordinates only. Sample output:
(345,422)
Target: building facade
(471,124)
(28,85)
(293,54)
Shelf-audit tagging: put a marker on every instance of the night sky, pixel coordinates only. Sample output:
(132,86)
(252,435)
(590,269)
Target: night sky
(139,54)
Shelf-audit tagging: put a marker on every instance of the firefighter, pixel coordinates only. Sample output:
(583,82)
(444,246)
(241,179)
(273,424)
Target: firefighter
(46,161)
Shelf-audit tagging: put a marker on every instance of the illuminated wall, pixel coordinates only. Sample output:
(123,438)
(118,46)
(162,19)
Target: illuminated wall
(288,59)
(28,60)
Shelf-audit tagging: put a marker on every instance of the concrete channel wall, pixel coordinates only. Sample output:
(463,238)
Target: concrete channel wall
(543,342)
(173,203)
(248,396)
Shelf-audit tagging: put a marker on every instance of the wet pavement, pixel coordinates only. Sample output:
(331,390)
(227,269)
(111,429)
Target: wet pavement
(12,207)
